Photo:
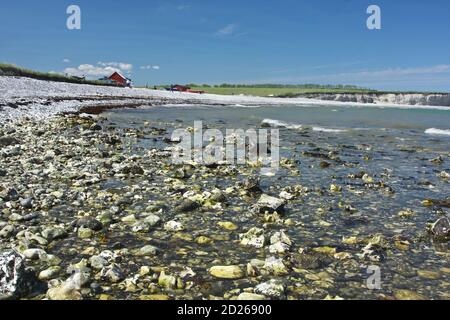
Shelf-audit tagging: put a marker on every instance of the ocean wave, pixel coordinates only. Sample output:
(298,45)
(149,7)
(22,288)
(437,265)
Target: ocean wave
(280,124)
(321,129)
(435,131)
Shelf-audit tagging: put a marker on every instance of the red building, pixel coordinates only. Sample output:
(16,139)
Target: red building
(120,79)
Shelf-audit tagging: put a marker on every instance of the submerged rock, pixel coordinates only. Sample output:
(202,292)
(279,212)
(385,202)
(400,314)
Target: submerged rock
(253,238)
(89,223)
(187,206)
(246,296)
(441,228)
(272,288)
(268,204)
(227,272)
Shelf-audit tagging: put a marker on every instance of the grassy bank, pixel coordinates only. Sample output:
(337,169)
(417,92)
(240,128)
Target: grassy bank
(13,70)
(277,91)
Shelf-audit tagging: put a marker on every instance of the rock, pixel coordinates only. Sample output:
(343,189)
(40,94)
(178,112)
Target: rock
(272,288)
(148,250)
(335,188)
(154,297)
(132,169)
(218,197)
(275,266)
(49,273)
(98,262)
(167,281)
(403,294)
(280,243)
(27,203)
(85,233)
(310,260)
(140,227)
(55,233)
(152,220)
(230,226)
(245,296)
(112,273)
(35,254)
(187,206)
(89,223)
(15,280)
(95,127)
(129,219)
(227,272)
(9,194)
(268,204)
(408,213)
(254,238)
(203,240)
(62,293)
(70,289)
(430,275)
(6,141)
(441,228)
(252,184)
(7,231)
(173,226)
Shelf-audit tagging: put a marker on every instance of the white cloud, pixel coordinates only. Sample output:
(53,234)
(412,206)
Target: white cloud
(227,30)
(119,65)
(149,67)
(102,69)
(88,70)
(66,60)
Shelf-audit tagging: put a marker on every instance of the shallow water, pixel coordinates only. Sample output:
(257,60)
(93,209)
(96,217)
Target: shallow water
(389,145)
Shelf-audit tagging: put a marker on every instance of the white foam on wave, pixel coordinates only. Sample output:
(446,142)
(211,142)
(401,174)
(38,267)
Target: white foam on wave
(321,129)
(280,124)
(435,131)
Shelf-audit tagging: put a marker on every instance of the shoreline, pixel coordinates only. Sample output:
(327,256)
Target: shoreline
(38,99)
(92,218)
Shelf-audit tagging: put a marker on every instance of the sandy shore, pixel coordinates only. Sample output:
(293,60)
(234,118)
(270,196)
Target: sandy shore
(23,97)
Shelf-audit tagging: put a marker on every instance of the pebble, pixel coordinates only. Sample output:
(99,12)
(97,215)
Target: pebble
(227,272)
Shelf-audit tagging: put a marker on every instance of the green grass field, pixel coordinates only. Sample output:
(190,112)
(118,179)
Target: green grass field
(264,92)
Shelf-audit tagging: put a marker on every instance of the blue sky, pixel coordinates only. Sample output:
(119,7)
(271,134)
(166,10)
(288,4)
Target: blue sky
(245,41)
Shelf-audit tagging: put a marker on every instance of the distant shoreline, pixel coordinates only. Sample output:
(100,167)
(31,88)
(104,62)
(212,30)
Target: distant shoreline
(39,99)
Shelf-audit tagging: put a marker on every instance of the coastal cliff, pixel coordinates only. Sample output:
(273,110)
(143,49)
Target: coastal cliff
(424,99)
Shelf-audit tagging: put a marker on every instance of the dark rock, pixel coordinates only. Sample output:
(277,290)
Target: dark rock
(27,203)
(96,127)
(10,194)
(252,184)
(89,223)
(218,197)
(310,260)
(134,169)
(8,141)
(187,206)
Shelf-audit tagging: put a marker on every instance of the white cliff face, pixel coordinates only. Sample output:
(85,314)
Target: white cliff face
(413,99)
